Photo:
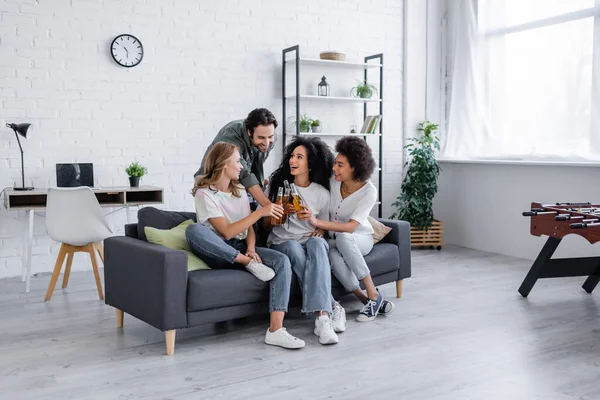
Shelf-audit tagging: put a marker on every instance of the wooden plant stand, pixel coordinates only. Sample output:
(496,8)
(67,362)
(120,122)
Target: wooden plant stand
(432,237)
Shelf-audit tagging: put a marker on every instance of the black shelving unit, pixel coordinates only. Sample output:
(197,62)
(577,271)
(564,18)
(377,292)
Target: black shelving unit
(297,61)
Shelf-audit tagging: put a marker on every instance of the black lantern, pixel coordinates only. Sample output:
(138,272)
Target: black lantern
(323,87)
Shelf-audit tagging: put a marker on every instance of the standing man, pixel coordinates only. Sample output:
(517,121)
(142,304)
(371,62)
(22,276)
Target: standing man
(255,138)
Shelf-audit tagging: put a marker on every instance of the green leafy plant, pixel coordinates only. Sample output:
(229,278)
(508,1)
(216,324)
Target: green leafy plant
(135,169)
(419,186)
(364,90)
(305,123)
(315,122)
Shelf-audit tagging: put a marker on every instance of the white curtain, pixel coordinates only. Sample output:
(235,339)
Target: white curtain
(524,80)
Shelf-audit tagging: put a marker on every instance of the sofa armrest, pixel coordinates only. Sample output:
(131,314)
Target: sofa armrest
(147,281)
(400,236)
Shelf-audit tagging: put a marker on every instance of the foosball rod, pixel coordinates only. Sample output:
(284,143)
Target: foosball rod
(567,204)
(567,217)
(532,213)
(580,225)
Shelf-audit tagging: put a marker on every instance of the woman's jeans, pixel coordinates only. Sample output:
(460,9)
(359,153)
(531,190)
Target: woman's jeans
(346,258)
(221,254)
(310,263)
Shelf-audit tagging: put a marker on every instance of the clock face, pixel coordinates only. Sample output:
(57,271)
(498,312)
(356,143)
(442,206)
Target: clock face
(127,50)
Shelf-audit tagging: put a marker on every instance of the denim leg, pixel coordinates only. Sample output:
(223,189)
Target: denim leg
(280,285)
(346,257)
(300,265)
(207,245)
(317,276)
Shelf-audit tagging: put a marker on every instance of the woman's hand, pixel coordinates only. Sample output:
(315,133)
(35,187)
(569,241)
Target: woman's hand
(318,233)
(253,255)
(291,209)
(305,213)
(273,210)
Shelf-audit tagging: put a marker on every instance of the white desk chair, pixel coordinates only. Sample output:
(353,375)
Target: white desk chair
(74,218)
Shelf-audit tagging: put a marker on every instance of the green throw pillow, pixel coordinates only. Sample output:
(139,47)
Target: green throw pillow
(174,238)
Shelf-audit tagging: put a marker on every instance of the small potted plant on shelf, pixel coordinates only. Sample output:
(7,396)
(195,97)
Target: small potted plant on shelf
(135,171)
(363,90)
(419,186)
(305,123)
(316,126)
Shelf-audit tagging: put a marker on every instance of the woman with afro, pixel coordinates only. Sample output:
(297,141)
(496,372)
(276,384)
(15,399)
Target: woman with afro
(353,196)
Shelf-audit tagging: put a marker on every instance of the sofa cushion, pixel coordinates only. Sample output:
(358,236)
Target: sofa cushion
(159,219)
(216,288)
(174,238)
(379,230)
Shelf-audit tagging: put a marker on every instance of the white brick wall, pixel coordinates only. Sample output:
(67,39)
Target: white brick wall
(205,63)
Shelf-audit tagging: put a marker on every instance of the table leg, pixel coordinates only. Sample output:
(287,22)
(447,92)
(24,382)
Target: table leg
(24,246)
(29,249)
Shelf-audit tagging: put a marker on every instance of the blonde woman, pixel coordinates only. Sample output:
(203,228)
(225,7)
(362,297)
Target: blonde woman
(224,236)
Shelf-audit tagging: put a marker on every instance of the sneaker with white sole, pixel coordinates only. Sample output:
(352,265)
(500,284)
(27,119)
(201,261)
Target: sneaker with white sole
(324,330)
(261,271)
(386,307)
(370,310)
(338,318)
(281,337)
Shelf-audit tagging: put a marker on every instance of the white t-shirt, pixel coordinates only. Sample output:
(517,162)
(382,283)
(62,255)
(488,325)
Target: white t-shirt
(316,197)
(213,204)
(357,206)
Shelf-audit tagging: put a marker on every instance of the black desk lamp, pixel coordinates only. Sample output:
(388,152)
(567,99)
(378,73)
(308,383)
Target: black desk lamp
(21,129)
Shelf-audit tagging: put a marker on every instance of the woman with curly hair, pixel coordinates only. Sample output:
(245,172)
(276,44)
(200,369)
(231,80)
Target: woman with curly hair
(353,196)
(307,164)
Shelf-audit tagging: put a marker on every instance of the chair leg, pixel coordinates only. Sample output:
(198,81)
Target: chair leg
(68,268)
(170,337)
(100,248)
(399,288)
(57,267)
(120,315)
(91,251)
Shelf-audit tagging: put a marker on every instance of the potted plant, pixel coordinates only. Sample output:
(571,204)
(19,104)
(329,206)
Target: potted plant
(419,186)
(316,126)
(364,90)
(305,123)
(135,171)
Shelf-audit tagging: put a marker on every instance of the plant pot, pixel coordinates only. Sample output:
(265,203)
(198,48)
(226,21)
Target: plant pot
(432,237)
(304,129)
(365,94)
(316,129)
(134,181)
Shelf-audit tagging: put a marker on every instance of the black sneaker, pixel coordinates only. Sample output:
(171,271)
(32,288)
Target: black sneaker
(386,307)
(370,310)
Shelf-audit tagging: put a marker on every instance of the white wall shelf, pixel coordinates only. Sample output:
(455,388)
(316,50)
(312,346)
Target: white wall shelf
(332,63)
(339,134)
(334,98)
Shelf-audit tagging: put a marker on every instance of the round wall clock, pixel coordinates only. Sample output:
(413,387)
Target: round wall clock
(127,50)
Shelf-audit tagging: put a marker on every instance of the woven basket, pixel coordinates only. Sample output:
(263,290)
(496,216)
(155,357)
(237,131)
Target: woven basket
(332,55)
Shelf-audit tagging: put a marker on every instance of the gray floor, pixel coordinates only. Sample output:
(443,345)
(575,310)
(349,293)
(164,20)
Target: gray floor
(461,332)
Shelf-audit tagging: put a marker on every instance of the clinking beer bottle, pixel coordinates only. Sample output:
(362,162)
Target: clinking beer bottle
(285,202)
(279,201)
(296,200)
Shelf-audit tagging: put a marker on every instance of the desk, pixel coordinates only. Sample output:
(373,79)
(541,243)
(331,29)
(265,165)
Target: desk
(35,200)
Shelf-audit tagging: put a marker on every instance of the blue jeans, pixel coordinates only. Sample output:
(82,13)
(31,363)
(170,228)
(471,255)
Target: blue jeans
(311,265)
(221,254)
(346,256)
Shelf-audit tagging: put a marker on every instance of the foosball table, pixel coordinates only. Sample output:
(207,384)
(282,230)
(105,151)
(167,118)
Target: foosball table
(556,221)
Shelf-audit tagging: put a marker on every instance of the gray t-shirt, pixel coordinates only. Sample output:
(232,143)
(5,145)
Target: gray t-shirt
(316,197)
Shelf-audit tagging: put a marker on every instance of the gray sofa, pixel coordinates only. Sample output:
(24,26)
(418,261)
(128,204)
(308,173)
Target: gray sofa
(152,283)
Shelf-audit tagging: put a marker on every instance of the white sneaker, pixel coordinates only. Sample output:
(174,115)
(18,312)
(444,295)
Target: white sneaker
(338,318)
(324,330)
(260,271)
(282,338)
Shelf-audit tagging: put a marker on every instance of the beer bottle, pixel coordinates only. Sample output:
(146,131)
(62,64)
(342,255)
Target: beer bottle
(286,201)
(279,201)
(296,200)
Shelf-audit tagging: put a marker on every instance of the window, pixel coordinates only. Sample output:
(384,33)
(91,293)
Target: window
(521,80)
